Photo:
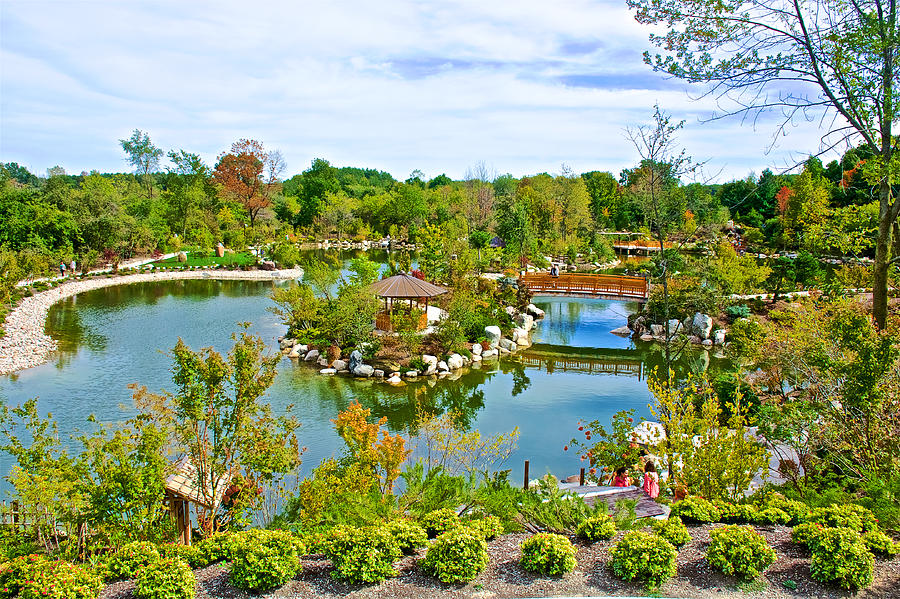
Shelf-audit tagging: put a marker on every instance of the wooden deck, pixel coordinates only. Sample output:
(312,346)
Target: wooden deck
(645,508)
(587,285)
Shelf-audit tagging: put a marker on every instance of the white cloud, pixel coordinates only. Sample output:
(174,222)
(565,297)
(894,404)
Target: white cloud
(523,86)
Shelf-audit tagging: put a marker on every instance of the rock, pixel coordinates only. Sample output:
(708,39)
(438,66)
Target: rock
(294,352)
(476,349)
(707,342)
(646,337)
(395,379)
(523,342)
(493,334)
(366,371)
(519,334)
(377,372)
(267,265)
(503,351)
(322,361)
(454,362)
(622,331)
(508,345)
(489,353)
(476,358)
(328,371)
(302,348)
(674,326)
(695,339)
(511,310)
(719,337)
(639,325)
(430,363)
(534,311)
(526,321)
(442,366)
(285,342)
(356,359)
(311,355)
(411,374)
(657,330)
(181,257)
(220,251)
(702,325)
(339,365)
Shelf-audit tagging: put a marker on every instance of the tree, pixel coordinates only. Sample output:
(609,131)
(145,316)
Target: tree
(143,156)
(249,175)
(836,57)
(317,182)
(186,187)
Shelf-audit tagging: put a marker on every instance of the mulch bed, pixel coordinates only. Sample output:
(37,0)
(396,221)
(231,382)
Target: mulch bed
(787,578)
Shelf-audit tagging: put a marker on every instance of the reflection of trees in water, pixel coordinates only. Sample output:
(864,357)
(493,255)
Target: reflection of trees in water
(64,324)
(521,382)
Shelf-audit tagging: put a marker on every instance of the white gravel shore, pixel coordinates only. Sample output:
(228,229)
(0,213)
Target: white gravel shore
(25,344)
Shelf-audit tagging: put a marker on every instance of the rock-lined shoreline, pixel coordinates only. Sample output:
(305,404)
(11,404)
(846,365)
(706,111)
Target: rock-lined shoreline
(25,344)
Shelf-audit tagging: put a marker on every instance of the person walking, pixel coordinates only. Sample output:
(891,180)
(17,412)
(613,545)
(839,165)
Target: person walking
(651,480)
(72,267)
(62,269)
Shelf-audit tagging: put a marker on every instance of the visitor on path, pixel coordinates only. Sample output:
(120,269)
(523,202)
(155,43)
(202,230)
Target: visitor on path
(72,267)
(62,269)
(620,479)
(651,480)
(554,270)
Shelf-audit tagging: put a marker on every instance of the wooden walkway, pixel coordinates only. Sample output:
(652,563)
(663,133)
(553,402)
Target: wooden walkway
(592,494)
(587,285)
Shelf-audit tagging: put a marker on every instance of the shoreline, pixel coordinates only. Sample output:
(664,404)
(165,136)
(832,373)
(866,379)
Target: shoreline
(25,344)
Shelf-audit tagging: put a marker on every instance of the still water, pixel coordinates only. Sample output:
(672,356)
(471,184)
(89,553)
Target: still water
(112,337)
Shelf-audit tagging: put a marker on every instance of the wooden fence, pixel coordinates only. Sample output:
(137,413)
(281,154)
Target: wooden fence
(586,284)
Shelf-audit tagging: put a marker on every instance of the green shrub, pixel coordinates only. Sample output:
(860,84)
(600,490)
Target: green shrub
(189,554)
(596,528)
(671,529)
(13,542)
(737,311)
(643,556)
(16,572)
(696,509)
(488,527)
(168,578)
(739,550)
(264,559)
(407,534)
(548,554)
(845,515)
(839,555)
(126,562)
(807,533)
(736,513)
(439,521)
(214,548)
(362,555)
(881,544)
(58,579)
(458,555)
(770,515)
(796,511)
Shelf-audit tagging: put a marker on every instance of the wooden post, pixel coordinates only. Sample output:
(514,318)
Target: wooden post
(15,513)
(525,484)
(581,478)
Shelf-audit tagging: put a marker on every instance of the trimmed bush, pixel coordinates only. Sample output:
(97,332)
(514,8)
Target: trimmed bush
(212,549)
(439,521)
(596,528)
(739,550)
(490,527)
(168,578)
(796,511)
(56,579)
(839,555)
(407,534)
(643,556)
(880,544)
(845,515)
(807,533)
(458,555)
(362,555)
(736,513)
(671,529)
(548,554)
(770,515)
(126,562)
(264,559)
(696,509)
(16,572)
(189,554)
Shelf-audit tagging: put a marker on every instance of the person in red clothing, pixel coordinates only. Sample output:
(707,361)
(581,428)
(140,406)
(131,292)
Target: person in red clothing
(651,480)
(620,479)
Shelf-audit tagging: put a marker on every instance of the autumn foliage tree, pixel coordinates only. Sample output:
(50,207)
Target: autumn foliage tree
(384,456)
(249,175)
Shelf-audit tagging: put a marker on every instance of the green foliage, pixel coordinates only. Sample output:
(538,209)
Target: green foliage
(844,515)
(407,534)
(548,554)
(212,549)
(489,527)
(643,556)
(739,550)
(737,311)
(35,577)
(807,533)
(127,561)
(671,529)
(696,509)
(597,528)
(265,559)
(458,555)
(362,555)
(165,579)
(881,544)
(553,510)
(189,554)
(839,555)
(611,449)
(439,521)
(770,515)
(796,511)
(737,513)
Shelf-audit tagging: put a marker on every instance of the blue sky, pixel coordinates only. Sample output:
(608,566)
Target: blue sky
(522,87)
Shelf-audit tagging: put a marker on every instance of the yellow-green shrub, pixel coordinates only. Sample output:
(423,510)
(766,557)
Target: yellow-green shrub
(596,528)
(362,555)
(458,555)
(548,554)
(126,562)
(739,550)
(839,555)
(643,556)
(264,559)
(167,578)
(671,529)
(439,521)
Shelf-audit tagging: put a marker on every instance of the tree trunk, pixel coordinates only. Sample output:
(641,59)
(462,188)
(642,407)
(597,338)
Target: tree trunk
(882,255)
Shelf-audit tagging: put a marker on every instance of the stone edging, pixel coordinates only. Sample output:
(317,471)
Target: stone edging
(25,344)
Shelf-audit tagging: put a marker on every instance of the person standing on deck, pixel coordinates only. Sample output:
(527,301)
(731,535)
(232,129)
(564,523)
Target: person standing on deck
(651,480)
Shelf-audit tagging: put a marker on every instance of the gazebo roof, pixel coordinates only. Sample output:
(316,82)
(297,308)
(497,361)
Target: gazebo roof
(406,286)
(184,482)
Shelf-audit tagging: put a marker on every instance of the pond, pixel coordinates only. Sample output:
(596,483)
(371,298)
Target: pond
(112,337)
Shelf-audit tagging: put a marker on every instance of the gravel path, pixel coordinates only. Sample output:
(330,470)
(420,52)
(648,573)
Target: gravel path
(788,578)
(25,344)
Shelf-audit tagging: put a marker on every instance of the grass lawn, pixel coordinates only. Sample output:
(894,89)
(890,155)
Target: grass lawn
(236,259)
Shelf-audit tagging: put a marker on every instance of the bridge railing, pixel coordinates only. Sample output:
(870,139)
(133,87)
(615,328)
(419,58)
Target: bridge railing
(587,284)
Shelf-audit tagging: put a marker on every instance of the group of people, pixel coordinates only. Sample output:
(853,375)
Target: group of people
(62,268)
(650,482)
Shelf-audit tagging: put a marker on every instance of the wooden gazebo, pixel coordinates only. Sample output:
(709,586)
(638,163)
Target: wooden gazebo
(403,287)
(182,489)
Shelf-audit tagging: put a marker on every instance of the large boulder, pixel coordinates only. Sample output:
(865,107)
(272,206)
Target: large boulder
(534,311)
(454,362)
(674,326)
(488,354)
(181,257)
(508,345)
(442,366)
(364,370)
(719,337)
(657,330)
(622,331)
(339,365)
(431,363)
(476,349)
(355,360)
(526,321)
(702,325)
(294,352)
(312,355)
(493,334)
(511,310)
(267,265)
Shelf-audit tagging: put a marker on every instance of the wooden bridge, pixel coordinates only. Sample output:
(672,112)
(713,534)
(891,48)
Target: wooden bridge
(583,360)
(587,285)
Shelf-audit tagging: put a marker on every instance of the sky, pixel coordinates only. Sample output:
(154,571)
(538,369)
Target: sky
(521,87)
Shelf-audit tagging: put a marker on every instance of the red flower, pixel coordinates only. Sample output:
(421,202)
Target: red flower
(581,428)
(566,448)
(631,420)
(588,437)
